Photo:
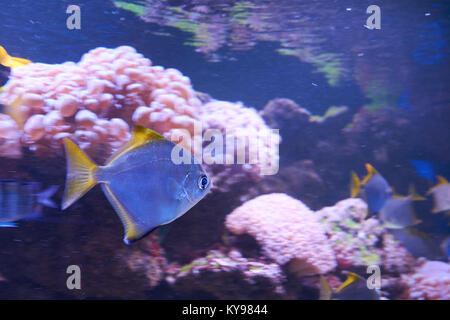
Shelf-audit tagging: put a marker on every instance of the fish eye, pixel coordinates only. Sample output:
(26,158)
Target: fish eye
(203,182)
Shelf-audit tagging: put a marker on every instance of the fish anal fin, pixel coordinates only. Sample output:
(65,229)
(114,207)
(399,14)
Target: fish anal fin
(132,232)
(141,136)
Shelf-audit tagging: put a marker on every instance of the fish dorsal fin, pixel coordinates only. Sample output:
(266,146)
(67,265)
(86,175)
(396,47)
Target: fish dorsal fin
(441,180)
(3,56)
(12,62)
(371,171)
(351,278)
(325,289)
(413,194)
(397,195)
(355,185)
(141,136)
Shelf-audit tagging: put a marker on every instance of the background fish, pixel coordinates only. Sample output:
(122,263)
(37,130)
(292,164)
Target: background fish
(23,200)
(441,195)
(145,187)
(398,212)
(376,189)
(354,288)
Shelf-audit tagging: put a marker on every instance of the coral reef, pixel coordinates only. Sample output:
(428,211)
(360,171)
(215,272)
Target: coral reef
(352,237)
(96,100)
(220,275)
(359,241)
(287,231)
(430,280)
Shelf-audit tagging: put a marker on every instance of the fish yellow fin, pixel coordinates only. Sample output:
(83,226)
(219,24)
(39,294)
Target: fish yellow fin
(441,180)
(351,278)
(371,171)
(132,233)
(397,195)
(80,174)
(141,136)
(18,62)
(11,62)
(325,289)
(2,89)
(355,185)
(15,112)
(413,194)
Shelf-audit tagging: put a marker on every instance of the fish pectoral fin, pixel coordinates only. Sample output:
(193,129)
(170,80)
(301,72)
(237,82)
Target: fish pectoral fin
(80,174)
(132,231)
(141,136)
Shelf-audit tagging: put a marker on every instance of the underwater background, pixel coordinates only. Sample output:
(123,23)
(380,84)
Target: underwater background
(342,96)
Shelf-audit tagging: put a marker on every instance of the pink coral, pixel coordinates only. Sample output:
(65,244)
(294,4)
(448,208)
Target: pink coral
(287,230)
(9,137)
(430,281)
(96,100)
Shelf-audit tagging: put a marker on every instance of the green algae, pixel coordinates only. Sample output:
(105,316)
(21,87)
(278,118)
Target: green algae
(137,9)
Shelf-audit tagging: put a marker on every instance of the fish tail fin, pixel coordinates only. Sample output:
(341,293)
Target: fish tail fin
(44,197)
(81,174)
(325,289)
(355,185)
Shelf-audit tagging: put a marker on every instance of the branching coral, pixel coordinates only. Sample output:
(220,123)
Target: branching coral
(287,231)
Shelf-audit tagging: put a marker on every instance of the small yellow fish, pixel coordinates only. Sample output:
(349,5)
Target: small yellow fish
(145,187)
(441,195)
(354,288)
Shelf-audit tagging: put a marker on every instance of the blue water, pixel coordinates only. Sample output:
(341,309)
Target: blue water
(396,79)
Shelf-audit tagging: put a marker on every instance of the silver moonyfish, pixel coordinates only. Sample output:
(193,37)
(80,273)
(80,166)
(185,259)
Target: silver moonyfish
(376,188)
(145,187)
(398,211)
(21,200)
(441,195)
(354,288)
